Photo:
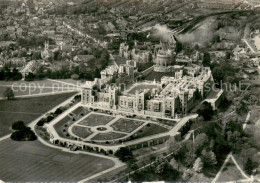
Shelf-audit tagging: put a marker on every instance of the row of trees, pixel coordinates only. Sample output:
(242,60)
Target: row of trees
(8,74)
(89,72)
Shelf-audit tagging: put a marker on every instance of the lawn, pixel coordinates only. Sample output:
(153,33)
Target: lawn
(96,120)
(230,173)
(142,87)
(26,109)
(62,127)
(150,129)
(33,87)
(126,125)
(82,132)
(34,162)
(158,75)
(108,136)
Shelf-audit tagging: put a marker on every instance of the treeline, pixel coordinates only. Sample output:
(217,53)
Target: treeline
(73,10)
(10,75)
(34,41)
(89,72)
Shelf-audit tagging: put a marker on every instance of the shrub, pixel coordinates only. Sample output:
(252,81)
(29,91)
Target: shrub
(124,154)
(25,134)
(19,125)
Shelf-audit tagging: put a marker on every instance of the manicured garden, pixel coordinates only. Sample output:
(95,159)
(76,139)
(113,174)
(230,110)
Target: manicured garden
(108,136)
(96,120)
(82,132)
(150,129)
(126,125)
(62,127)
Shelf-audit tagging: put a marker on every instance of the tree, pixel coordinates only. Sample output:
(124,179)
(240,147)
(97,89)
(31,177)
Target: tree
(58,111)
(9,94)
(29,77)
(249,166)
(178,46)
(198,165)
(173,146)
(124,154)
(19,125)
(209,158)
(218,75)
(206,111)
(25,134)
(197,95)
(206,59)
(200,141)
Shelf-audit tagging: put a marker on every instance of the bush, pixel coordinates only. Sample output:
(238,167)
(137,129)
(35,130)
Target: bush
(19,125)
(58,111)
(25,134)
(50,118)
(206,111)
(124,154)
(41,122)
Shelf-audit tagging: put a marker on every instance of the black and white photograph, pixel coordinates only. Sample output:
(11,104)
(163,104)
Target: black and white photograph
(130,91)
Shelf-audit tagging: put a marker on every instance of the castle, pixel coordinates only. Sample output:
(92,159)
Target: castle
(173,97)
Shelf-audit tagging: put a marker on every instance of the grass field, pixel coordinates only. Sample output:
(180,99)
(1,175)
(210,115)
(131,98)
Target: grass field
(26,109)
(33,87)
(126,125)
(96,120)
(82,132)
(152,129)
(32,161)
(108,136)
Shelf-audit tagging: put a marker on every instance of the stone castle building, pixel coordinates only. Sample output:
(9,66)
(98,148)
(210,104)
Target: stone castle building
(173,97)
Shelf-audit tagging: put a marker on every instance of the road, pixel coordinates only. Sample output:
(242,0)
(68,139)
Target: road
(248,44)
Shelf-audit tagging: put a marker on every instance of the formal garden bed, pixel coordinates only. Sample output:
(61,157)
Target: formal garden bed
(96,120)
(82,132)
(126,125)
(148,130)
(108,136)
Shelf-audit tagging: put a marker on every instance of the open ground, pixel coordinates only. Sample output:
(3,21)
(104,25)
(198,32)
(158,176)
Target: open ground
(32,161)
(26,109)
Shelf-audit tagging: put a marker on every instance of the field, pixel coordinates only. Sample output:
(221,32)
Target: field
(82,132)
(149,130)
(34,162)
(33,87)
(108,136)
(96,120)
(126,125)
(26,109)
